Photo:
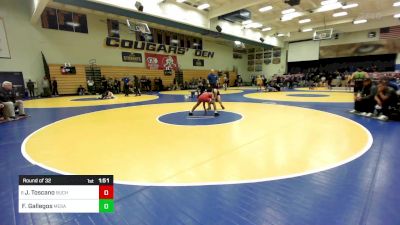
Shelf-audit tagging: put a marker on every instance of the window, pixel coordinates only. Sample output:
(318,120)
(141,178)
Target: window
(113,28)
(159,37)
(167,38)
(181,41)
(81,23)
(49,19)
(64,20)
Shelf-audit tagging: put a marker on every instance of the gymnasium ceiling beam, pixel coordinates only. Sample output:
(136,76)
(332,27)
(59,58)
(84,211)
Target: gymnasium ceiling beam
(231,6)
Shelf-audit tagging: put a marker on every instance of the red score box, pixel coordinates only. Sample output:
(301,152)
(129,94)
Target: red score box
(106,192)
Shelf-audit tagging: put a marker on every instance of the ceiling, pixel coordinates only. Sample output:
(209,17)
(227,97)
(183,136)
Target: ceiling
(372,10)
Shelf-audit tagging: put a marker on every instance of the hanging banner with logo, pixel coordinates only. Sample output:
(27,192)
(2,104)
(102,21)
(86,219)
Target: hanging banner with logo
(161,62)
(131,57)
(198,62)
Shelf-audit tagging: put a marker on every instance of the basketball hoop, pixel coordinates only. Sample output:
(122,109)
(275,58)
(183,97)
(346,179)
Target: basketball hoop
(92,62)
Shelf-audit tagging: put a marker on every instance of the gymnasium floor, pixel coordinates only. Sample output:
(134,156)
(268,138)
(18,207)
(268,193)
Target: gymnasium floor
(283,158)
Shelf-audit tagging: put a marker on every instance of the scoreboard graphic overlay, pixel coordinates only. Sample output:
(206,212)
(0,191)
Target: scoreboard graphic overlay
(66,194)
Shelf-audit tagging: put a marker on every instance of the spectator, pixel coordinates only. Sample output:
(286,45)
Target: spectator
(136,86)
(358,77)
(81,90)
(143,83)
(31,87)
(126,86)
(148,84)
(365,101)
(1,111)
(55,87)
(259,83)
(212,79)
(104,84)
(160,83)
(90,85)
(117,86)
(8,99)
(386,98)
(239,81)
(46,87)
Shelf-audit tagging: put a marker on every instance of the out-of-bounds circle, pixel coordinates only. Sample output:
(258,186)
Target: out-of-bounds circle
(80,101)
(199,118)
(270,142)
(322,89)
(308,95)
(298,96)
(87,99)
(188,92)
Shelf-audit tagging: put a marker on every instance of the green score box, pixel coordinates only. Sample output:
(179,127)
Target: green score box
(106,205)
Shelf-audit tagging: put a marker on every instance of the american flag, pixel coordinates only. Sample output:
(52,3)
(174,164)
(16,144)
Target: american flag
(390,32)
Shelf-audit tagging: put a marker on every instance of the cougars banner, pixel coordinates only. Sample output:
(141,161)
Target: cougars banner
(161,62)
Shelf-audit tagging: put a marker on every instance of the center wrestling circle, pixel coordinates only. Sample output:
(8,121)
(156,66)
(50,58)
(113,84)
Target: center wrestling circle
(199,118)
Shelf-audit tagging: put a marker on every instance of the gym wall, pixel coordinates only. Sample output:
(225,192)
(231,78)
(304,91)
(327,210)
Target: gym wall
(26,41)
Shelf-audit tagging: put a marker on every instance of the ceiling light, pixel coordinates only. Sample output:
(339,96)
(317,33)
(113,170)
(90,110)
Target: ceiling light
(266,8)
(349,6)
(72,24)
(329,7)
(256,25)
(305,21)
(238,42)
(246,22)
(307,30)
(397,15)
(290,16)
(340,14)
(396,4)
(253,25)
(327,2)
(359,21)
(266,29)
(287,11)
(203,6)
(180,1)
(280,35)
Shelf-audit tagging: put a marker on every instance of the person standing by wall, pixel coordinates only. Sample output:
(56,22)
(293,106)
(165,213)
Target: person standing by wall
(358,77)
(55,87)
(126,85)
(31,87)
(46,87)
(90,85)
(136,86)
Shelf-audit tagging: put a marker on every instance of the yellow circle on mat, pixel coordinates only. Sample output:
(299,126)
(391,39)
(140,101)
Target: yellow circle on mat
(270,142)
(323,89)
(188,92)
(62,102)
(245,88)
(286,96)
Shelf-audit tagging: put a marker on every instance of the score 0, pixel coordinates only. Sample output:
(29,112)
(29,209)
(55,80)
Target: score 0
(106,195)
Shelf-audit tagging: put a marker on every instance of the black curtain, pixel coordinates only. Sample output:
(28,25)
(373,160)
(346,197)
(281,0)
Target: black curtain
(382,63)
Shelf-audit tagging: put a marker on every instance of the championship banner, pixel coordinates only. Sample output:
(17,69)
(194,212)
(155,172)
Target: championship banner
(161,62)
(198,62)
(131,57)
